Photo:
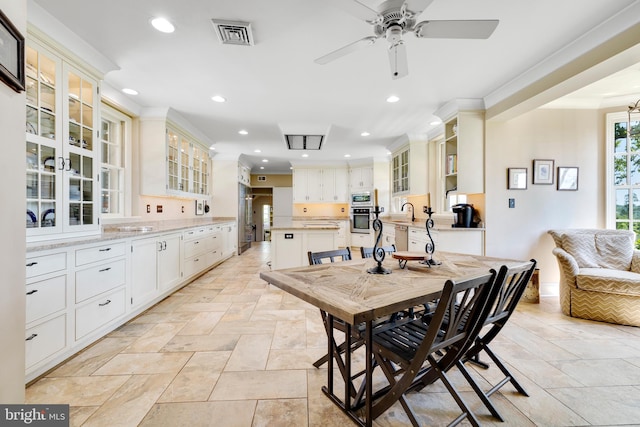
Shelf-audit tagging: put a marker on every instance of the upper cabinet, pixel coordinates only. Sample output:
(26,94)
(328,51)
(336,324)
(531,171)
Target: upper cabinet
(361,178)
(174,161)
(409,169)
(62,142)
(320,185)
(464,152)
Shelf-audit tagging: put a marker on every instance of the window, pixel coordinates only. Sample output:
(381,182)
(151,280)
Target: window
(115,129)
(623,172)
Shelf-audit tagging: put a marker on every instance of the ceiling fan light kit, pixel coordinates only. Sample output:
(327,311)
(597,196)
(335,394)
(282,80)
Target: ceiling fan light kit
(395,18)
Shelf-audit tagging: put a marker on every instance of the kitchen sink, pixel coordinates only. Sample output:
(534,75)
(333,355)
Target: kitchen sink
(136,228)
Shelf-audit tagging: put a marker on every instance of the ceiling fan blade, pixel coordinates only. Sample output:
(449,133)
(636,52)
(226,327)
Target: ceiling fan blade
(398,60)
(417,6)
(362,43)
(472,29)
(357,9)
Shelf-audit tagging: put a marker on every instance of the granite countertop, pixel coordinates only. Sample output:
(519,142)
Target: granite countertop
(320,218)
(302,227)
(134,229)
(421,223)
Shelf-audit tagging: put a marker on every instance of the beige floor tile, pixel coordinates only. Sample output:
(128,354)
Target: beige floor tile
(218,342)
(239,311)
(201,414)
(145,363)
(602,405)
(92,358)
(281,413)
(156,338)
(288,384)
(202,324)
(251,353)
(129,405)
(171,317)
(290,335)
(602,372)
(75,391)
(294,358)
(198,307)
(131,330)
(79,414)
(244,327)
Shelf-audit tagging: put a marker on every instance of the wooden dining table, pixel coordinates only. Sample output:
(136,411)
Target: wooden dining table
(346,291)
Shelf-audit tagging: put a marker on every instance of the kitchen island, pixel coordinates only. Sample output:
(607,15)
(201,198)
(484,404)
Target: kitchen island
(289,245)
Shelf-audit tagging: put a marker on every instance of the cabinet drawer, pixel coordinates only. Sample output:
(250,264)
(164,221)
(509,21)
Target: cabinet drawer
(197,264)
(45,339)
(98,279)
(196,247)
(99,253)
(196,233)
(97,313)
(46,264)
(46,297)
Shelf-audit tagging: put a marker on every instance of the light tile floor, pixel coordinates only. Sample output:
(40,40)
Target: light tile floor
(230,350)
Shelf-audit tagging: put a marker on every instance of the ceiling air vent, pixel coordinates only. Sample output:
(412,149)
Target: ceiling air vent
(304,142)
(233,32)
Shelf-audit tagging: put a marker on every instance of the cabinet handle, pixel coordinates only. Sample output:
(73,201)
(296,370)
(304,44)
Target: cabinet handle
(105,303)
(196,260)
(68,164)
(31,264)
(196,242)
(32,292)
(61,163)
(104,250)
(31,337)
(164,245)
(104,269)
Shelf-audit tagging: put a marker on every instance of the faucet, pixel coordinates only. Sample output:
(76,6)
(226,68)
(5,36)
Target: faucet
(413,217)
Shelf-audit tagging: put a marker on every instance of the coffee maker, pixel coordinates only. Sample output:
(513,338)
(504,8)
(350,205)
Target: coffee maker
(464,216)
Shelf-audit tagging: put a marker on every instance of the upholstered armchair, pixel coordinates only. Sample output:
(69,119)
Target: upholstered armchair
(599,274)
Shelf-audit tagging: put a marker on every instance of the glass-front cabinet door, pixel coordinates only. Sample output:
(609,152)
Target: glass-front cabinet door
(60,156)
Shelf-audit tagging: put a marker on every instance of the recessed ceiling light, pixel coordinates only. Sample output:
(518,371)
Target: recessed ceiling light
(163,25)
(435,122)
(305,155)
(261,167)
(130,91)
(365,134)
(243,132)
(219,98)
(347,155)
(265,161)
(257,150)
(393,98)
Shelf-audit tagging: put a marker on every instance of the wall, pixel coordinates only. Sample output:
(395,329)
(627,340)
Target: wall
(12,227)
(570,138)
(272,180)
(331,210)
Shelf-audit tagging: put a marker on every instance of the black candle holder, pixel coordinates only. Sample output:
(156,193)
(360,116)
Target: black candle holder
(430,247)
(378,250)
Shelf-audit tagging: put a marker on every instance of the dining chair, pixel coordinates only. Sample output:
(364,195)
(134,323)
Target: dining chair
(315,258)
(367,252)
(512,285)
(409,349)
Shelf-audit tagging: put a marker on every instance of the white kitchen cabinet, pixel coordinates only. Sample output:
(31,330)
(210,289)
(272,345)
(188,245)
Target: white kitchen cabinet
(99,312)
(45,339)
(99,278)
(409,168)
(468,241)
(362,239)
(175,163)
(320,185)
(289,246)
(417,239)
(464,152)
(62,110)
(168,256)
(335,184)
(197,250)
(388,234)
(361,178)
(229,233)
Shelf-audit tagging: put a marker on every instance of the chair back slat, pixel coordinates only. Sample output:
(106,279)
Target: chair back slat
(367,252)
(343,254)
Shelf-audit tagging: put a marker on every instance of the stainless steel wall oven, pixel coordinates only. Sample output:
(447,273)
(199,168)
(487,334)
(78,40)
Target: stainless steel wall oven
(361,220)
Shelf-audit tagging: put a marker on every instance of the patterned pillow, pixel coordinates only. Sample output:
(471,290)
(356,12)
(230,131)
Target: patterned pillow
(582,246)
(615,250)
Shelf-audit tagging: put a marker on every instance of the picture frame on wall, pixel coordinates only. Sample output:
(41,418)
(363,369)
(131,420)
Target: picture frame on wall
(516,178)
(543,171)
(11,55)
(199,207)
(567,178)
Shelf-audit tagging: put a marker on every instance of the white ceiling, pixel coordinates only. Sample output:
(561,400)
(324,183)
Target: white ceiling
(275,84)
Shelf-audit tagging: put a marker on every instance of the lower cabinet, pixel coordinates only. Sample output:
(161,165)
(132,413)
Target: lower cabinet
(77,294)
(361,239)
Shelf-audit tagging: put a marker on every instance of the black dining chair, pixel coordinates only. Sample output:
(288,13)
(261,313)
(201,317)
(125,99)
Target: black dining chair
(512,286)
(366,252)
(410,349)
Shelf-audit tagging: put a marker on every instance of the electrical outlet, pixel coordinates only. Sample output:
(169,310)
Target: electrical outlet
(512,203)
(159,208)
(341,209)
(304,210)
(182,209)
(148,208)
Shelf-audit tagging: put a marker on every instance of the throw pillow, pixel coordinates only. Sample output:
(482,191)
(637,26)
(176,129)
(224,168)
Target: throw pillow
(582,246)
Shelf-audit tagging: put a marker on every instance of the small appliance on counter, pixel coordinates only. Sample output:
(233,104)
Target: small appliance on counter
(465,216)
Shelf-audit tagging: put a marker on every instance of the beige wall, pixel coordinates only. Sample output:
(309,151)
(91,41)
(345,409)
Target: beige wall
(272,180)
(570,138)
(12,228)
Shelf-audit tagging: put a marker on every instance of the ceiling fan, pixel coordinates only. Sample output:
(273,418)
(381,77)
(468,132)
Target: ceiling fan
(395,18)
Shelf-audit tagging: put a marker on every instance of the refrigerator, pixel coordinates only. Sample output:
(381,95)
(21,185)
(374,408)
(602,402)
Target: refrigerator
(282,206)
(245,218)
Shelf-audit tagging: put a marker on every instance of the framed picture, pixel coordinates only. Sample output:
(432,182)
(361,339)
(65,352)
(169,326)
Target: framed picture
(516,178)
(11,54)
(199,207)
(542,171)
(568,178)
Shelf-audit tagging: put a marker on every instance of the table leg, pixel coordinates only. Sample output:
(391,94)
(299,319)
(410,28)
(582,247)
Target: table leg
(368,372)
(330,353)
(347,369)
